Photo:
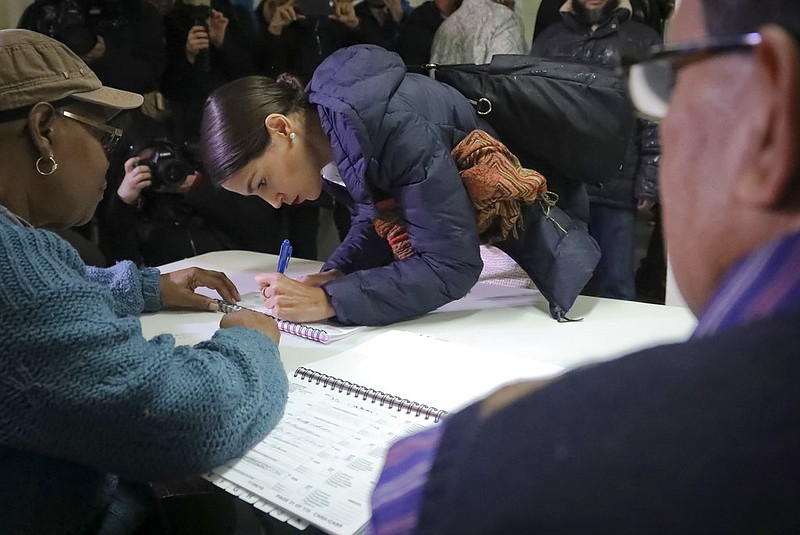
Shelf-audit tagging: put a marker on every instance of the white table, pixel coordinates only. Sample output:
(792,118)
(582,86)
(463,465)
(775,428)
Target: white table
(511,320)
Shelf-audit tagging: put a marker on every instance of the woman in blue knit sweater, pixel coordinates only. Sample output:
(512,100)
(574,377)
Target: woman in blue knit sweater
(89,409)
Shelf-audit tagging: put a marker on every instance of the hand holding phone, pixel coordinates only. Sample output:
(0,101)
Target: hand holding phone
(283,15)
(346,14)
(315,8)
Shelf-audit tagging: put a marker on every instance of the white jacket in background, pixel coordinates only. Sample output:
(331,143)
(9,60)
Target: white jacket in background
(476,31)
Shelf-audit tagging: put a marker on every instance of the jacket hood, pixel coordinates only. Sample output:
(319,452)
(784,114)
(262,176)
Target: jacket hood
(624,5)
(352,88)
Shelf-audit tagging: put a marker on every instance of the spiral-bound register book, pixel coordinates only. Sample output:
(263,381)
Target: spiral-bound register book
(323,332)
(321,462)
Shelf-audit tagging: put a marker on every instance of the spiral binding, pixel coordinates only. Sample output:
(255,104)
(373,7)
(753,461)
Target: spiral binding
(375,396)
(306,331)
(297,329)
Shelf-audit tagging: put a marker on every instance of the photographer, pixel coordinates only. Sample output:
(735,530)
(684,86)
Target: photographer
(296,37)
(207,46)
(147,215)
(139,174)
(381,21)
(158,208)
(121,40)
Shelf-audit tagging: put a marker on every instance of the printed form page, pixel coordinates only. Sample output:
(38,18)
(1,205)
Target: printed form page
(323,459)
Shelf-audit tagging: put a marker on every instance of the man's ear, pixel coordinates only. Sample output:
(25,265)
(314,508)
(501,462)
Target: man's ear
(771,181)
(278,125)
(40,128)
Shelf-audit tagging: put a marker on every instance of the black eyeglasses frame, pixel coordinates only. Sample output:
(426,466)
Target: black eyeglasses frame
(109,143)
(694,50)
(681,54)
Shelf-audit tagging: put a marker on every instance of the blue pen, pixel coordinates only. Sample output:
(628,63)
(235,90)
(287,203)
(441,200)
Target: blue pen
(284,256)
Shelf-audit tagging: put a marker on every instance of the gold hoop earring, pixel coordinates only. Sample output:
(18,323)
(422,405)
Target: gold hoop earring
(53,165)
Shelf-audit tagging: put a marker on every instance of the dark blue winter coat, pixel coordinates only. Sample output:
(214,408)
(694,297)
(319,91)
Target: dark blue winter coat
(391,133)
(614,38)
(698,437)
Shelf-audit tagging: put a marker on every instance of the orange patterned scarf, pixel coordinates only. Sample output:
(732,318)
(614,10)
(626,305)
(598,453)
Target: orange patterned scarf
(496,183)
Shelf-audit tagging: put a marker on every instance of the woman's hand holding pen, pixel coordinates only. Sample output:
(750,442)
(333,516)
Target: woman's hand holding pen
(178,289)
(293,300)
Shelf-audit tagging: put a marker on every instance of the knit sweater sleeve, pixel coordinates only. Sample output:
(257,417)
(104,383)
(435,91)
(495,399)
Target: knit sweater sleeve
(81,383)
(133,290)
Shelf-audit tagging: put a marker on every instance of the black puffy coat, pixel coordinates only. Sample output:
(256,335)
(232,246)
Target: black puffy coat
(607,44)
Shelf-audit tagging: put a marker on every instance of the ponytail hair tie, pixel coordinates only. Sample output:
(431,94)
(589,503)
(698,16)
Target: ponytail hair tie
(294,90)
(291,81)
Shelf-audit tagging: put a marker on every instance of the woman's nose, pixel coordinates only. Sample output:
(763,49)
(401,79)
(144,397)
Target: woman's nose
(276,201)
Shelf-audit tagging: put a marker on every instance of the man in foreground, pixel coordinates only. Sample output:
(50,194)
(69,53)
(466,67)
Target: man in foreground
(694,437)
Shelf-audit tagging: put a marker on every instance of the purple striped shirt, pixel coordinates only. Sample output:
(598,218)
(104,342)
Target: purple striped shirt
(398,494)
(763,283)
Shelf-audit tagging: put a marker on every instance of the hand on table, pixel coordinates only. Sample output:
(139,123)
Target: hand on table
(178,289)
(252,320)
(293,300)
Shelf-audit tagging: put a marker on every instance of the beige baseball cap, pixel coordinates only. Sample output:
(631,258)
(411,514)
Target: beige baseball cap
(35,68)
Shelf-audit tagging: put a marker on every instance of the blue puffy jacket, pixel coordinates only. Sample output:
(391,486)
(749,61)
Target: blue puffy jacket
(391,133)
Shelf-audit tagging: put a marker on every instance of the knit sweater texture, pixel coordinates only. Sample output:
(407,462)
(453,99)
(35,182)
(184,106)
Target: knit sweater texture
(85,399)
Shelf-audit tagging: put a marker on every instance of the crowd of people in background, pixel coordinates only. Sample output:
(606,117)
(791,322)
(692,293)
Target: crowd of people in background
(176,53)
(695,436)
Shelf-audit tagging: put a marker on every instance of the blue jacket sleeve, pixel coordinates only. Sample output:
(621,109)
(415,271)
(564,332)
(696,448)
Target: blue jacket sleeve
(81,383)
(362,248)
(415,166)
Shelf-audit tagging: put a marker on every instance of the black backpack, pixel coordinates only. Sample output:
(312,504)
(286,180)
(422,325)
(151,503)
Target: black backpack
(570,121)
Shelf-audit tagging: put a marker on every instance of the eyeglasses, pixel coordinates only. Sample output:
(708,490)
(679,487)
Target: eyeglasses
(651,78)
(109,135)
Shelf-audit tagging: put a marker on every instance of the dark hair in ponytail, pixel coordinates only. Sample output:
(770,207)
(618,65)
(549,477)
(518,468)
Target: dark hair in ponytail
(232,132)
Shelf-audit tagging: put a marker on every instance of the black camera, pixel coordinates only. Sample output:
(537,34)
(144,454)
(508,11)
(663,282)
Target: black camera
(76,23)
(168,164)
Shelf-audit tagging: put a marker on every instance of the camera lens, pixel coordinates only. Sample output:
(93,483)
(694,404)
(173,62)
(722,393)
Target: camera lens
(168,166)
(173,172)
